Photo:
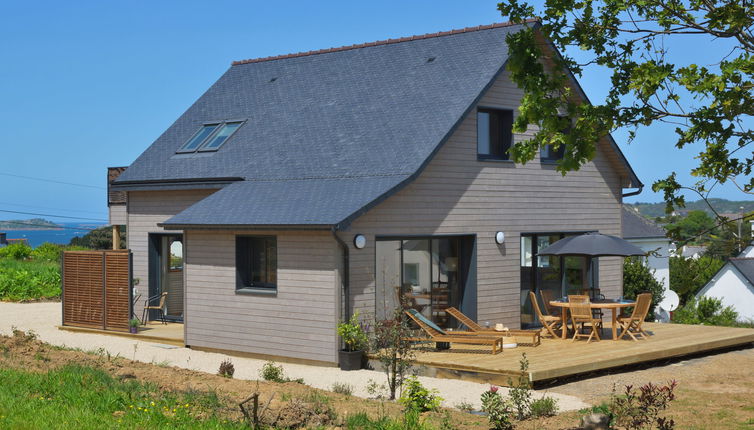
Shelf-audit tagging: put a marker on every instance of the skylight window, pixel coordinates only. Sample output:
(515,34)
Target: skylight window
(210,137)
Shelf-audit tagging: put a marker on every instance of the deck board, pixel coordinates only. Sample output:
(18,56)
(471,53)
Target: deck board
(556,358)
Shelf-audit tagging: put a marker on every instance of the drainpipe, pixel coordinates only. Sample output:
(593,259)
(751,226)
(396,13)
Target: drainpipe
(345,275)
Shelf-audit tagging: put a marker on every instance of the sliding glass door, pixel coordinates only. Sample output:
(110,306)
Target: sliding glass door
(549,277)
(425,274)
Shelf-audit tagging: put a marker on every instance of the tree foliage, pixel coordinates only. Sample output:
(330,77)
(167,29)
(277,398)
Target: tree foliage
(101,238)
(708,104)
(688,275)
(639,278)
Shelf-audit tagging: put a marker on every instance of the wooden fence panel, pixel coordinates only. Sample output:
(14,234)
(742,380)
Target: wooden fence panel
(96,289)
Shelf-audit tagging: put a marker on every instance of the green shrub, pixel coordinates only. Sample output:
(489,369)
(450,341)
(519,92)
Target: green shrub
(520,393)
(28,280)
(342,388)
(639,278)
(16,251)
(416,396)
(272,372)
(353,334)
(411,421)
(707,311)
(47,251)
(544,407)
(499,410)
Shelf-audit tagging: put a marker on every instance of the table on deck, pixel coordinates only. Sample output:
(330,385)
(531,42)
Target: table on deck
(614,305)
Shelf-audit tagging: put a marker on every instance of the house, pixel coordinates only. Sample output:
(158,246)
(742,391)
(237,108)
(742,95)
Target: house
(651,238)
(689,251)
(734,284)
(3,240)
(305,187)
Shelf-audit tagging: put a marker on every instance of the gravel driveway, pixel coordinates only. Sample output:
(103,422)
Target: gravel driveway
(42,318)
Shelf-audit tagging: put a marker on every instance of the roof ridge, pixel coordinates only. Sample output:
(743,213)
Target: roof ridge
(381,42)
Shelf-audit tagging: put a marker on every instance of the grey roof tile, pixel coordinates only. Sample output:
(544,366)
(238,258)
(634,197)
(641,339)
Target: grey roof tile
(636,226)
(745,266)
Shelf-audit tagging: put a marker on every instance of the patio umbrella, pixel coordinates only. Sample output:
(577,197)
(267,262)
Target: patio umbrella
(593,245)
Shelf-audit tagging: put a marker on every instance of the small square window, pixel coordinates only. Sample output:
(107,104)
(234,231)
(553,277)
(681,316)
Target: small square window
(256,263)
(494,133)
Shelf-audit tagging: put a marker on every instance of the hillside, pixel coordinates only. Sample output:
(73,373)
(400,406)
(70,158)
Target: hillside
(654,210)
(28,224)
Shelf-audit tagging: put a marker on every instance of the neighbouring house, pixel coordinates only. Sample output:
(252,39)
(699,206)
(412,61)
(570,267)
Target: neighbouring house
(3,240)
(302,188)
(651,238)
(689,251)
(734,284)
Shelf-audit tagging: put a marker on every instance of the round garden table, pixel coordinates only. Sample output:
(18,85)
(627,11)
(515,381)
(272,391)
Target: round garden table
(614,305)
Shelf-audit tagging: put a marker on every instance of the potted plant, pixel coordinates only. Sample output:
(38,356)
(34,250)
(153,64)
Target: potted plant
(355,340)
(133,325)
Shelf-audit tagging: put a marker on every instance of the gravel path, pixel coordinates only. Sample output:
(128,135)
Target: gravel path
(42,318)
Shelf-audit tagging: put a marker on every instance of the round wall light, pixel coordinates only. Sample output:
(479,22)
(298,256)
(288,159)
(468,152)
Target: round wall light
(359,241)
(499,237)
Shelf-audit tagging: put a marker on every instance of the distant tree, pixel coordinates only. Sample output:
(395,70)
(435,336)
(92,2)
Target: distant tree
(639,278)
(696,227)
(688,275)
(101,238)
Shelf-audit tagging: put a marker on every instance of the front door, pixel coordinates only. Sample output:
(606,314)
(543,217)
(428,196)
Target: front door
(166,273)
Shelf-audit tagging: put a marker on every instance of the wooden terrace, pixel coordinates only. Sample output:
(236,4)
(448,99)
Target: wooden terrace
(153,331)
(556,358)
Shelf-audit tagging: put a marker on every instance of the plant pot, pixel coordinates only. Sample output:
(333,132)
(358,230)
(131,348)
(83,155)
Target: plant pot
(350,360)
(133,330)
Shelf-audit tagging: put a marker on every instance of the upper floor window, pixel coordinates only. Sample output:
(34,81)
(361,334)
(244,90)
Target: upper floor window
(256,263)
(549,153)
(211,136)
(494,133)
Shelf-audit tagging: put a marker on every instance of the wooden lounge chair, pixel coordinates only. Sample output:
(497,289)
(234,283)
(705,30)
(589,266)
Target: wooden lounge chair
(159,308)
(549,322)
(436,334)
(631,325)
(582,318)
(532,336)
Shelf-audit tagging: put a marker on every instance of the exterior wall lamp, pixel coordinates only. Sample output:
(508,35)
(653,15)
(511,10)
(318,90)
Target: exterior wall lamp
(499,237)
(359,241)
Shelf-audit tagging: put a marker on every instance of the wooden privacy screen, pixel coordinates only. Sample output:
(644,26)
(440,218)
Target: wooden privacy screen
(97,289)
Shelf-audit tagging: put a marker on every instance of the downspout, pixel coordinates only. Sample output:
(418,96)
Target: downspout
(346,274)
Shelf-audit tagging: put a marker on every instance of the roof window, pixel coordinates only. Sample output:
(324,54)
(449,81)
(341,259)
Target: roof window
(211,136)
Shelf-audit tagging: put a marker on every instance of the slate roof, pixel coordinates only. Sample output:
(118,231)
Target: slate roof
(636,226)
(327,133)
(745,266)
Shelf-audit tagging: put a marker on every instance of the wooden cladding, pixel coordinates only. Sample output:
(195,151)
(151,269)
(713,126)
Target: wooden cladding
(97,289)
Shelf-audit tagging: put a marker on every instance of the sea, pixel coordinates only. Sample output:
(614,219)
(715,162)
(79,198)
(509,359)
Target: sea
(62,236)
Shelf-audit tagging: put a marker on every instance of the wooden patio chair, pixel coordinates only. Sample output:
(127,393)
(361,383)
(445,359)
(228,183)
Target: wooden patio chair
(547,297)
(631,325)
(159,308)
(438,335)
(582,318)
(534,338)
(549,322)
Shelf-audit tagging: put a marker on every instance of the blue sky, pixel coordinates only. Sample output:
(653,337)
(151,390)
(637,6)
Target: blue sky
(86,85)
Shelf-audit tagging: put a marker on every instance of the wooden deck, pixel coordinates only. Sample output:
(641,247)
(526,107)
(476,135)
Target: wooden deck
(556,358)
(170,333)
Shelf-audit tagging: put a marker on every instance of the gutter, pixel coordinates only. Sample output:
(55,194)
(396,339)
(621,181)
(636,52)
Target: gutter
(346,274)
(633,193)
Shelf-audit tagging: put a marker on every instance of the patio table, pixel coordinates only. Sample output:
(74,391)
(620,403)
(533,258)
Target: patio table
(614,305)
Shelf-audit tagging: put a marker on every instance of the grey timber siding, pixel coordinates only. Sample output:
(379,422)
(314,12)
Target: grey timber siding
(145,210)
(297,322)
(457,194)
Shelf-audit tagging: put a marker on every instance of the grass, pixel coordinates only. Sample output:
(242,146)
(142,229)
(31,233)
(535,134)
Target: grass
(29,279)
(84,397)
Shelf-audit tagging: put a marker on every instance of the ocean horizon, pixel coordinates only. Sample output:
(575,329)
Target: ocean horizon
(60,237)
